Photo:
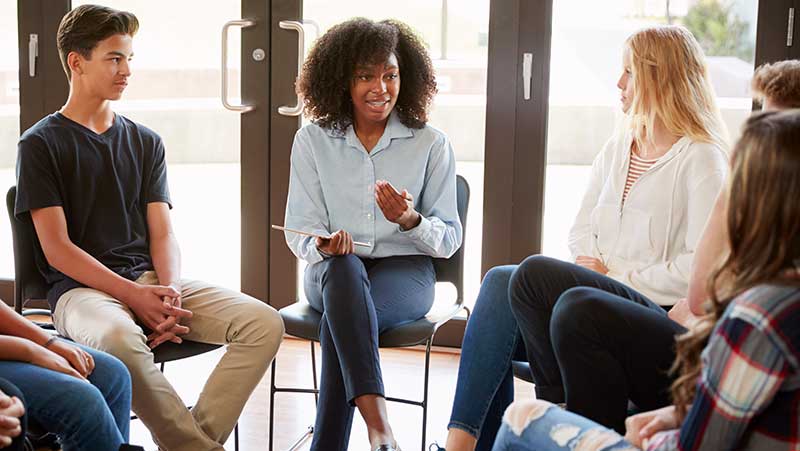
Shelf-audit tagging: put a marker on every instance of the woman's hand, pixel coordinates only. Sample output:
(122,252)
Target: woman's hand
(11,409)
(643,426)
(396,207)
(682,314)
(45,358)
(595,264)
(340,243)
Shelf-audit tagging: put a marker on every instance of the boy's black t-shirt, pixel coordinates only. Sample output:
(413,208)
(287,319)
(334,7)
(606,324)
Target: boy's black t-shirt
(102,181)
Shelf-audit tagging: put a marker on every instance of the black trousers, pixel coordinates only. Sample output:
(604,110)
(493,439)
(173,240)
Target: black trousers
(592,341)
(18,444)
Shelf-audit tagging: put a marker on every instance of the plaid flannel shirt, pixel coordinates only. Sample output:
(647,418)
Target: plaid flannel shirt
(748,394)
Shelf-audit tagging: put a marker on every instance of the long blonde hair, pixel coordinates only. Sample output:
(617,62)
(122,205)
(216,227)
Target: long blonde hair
(671,82)
(763,225)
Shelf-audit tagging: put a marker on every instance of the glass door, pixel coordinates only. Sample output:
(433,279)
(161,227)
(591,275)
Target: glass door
(9,126)
(175,90)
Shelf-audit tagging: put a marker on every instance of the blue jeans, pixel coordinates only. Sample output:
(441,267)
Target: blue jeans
(359,299)
(541,426)
(18,443)
(485,380)
(85,416)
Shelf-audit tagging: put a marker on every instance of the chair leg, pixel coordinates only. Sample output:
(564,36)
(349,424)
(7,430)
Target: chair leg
(425,394)
(314,372)
(236,437)
(272,404)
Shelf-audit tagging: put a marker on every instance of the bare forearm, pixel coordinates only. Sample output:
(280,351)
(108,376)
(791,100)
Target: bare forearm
(15,348)
(166,255)
(82,267)
(15,325)
(713,245)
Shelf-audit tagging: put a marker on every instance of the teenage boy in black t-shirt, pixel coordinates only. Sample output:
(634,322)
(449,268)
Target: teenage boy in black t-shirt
(95,185)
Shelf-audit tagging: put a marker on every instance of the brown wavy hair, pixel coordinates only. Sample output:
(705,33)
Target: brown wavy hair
(779,82)
(82,28)
(327,74)
(763,225)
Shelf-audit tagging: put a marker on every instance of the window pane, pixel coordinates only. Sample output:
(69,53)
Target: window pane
(586,60)
(175,90)
(9,125)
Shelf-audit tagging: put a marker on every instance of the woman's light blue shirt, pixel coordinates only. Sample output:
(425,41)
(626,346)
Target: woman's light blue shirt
(332,187)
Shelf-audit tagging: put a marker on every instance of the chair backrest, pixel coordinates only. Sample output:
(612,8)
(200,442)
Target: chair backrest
(452,269)
(28,281)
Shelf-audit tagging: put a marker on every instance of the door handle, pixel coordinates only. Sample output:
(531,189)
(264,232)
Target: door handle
(297,109)
(244,23)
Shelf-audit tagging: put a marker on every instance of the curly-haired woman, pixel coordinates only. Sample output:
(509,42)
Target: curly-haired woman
(368,135)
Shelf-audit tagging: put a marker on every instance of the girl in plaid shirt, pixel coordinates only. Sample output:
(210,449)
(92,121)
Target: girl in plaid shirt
(739,367)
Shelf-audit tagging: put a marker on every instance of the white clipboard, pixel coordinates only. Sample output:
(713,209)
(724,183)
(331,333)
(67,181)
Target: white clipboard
(315,235)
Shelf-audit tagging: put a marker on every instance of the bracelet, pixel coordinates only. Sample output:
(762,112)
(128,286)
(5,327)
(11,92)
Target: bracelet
(50,341)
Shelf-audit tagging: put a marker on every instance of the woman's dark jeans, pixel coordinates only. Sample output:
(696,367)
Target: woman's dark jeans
(610,343)
(592,341)
(359,299)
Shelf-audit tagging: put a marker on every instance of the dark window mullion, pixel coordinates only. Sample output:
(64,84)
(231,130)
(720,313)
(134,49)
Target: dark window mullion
(771,31)
(48,89)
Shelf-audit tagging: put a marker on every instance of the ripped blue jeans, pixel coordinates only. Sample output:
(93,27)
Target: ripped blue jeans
(542,426)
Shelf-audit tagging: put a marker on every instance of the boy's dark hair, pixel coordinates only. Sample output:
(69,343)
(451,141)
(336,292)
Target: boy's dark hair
(83,27)
(328,70)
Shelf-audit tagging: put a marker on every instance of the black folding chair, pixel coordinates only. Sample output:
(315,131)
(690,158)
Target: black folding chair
(30,288)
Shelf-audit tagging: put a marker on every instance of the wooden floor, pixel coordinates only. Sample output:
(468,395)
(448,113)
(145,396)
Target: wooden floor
(403,377)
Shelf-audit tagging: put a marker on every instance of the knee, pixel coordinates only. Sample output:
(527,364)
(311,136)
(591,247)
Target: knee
(491,306)
(574,304)
(265,322)
(575,310)
(537,264)
(523,280)
(499,276)
(111,375)
(520,414)
(344,267)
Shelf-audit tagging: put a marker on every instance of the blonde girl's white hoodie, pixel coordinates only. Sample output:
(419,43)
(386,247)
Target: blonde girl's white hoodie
(648,242)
